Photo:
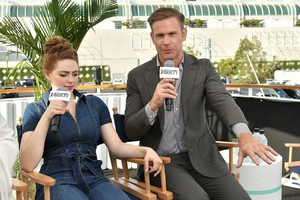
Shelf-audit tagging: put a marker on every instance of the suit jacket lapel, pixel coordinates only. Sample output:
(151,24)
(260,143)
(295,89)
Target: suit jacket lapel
(187,82)
(152,78)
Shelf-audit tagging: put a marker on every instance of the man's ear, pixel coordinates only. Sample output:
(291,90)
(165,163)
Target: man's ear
(151,36)
(184,34)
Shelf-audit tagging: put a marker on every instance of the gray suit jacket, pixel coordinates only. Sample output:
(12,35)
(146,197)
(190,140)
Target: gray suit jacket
(200,83)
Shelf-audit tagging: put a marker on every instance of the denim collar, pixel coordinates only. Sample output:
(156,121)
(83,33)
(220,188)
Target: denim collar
(75,92)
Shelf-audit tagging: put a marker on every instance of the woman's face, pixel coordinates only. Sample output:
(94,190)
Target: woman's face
(64,74)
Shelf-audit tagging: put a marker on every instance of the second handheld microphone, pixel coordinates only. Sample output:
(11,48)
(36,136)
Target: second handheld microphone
(63,95)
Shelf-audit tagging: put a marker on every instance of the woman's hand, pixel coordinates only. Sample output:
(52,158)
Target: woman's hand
(152,162)
(56,107)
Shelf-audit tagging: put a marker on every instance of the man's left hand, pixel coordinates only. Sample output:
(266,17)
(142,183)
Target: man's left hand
(248,146)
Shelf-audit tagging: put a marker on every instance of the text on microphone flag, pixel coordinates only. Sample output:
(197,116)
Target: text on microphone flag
(60,95)
(169,72)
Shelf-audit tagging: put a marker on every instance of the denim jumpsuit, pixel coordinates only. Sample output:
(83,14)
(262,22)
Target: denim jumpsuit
(70,154)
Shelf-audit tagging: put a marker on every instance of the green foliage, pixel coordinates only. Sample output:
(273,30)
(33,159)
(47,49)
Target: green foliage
(239,69)
(251,23)
(192,51)
(57,18)
(187,22)
(136,23)
(298,22)
(198,23)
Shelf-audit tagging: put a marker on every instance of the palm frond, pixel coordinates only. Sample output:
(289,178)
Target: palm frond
(64,18)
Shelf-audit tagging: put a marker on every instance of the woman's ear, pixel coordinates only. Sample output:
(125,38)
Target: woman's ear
(47,75)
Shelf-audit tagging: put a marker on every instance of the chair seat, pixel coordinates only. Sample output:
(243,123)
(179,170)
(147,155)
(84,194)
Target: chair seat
(295,169)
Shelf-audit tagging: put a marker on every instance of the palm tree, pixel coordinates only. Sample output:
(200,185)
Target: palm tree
(57,18)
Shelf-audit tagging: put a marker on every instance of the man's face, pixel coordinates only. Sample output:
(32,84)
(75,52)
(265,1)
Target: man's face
(167,36)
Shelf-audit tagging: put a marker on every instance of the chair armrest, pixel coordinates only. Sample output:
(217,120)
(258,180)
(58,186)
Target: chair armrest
(230,146)
(166,160)
(18,185)
(292,144)
(39,178)
(227,144)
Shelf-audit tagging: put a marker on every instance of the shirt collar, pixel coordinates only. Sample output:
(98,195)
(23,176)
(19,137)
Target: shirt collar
(180,66)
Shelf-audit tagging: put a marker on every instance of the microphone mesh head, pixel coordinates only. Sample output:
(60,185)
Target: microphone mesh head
(169,63)
(61,89)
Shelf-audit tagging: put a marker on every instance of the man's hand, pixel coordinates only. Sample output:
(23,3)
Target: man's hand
(251,147)
(164,89)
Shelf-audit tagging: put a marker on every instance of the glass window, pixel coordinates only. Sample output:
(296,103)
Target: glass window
(285,10)
(278,10)
(212,10)
(191,10)
(13,11)
(134,10)
(246,9)
(259,10)
(21,11)
(118,24)
(233,10)
(298,9)
(252,10)
(219,10)
(272,10)
(142,10)
(37,9)
(244,91)
(266,10)
(256,92)
(199,10)
(155,7)
(149,10)
(225,10)
(121,11)
(29,11)
(205,10)
(177,8)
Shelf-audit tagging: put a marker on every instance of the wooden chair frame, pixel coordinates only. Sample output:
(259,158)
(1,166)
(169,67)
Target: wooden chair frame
(142,190)
(290,163)
(230,146)
(20,187)
(39,178)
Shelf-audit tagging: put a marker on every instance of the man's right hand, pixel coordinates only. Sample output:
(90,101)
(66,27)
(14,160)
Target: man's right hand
(164,89)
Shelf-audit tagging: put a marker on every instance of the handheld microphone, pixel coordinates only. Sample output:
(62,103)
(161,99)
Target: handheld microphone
(60,94)
(169,71)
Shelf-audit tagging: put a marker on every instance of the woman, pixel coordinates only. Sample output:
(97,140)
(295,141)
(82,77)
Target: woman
(70,154)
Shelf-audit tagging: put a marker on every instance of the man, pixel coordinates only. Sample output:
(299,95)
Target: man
(197,170)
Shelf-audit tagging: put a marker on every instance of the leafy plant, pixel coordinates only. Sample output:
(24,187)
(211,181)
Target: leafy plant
(136,23)
(198,23)
(57,18)
(251,23)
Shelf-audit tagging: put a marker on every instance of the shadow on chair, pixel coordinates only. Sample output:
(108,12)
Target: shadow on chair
(36,177)
(292,166)
(145,189)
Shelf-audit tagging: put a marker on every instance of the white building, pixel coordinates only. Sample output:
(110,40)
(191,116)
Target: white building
(124,49)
